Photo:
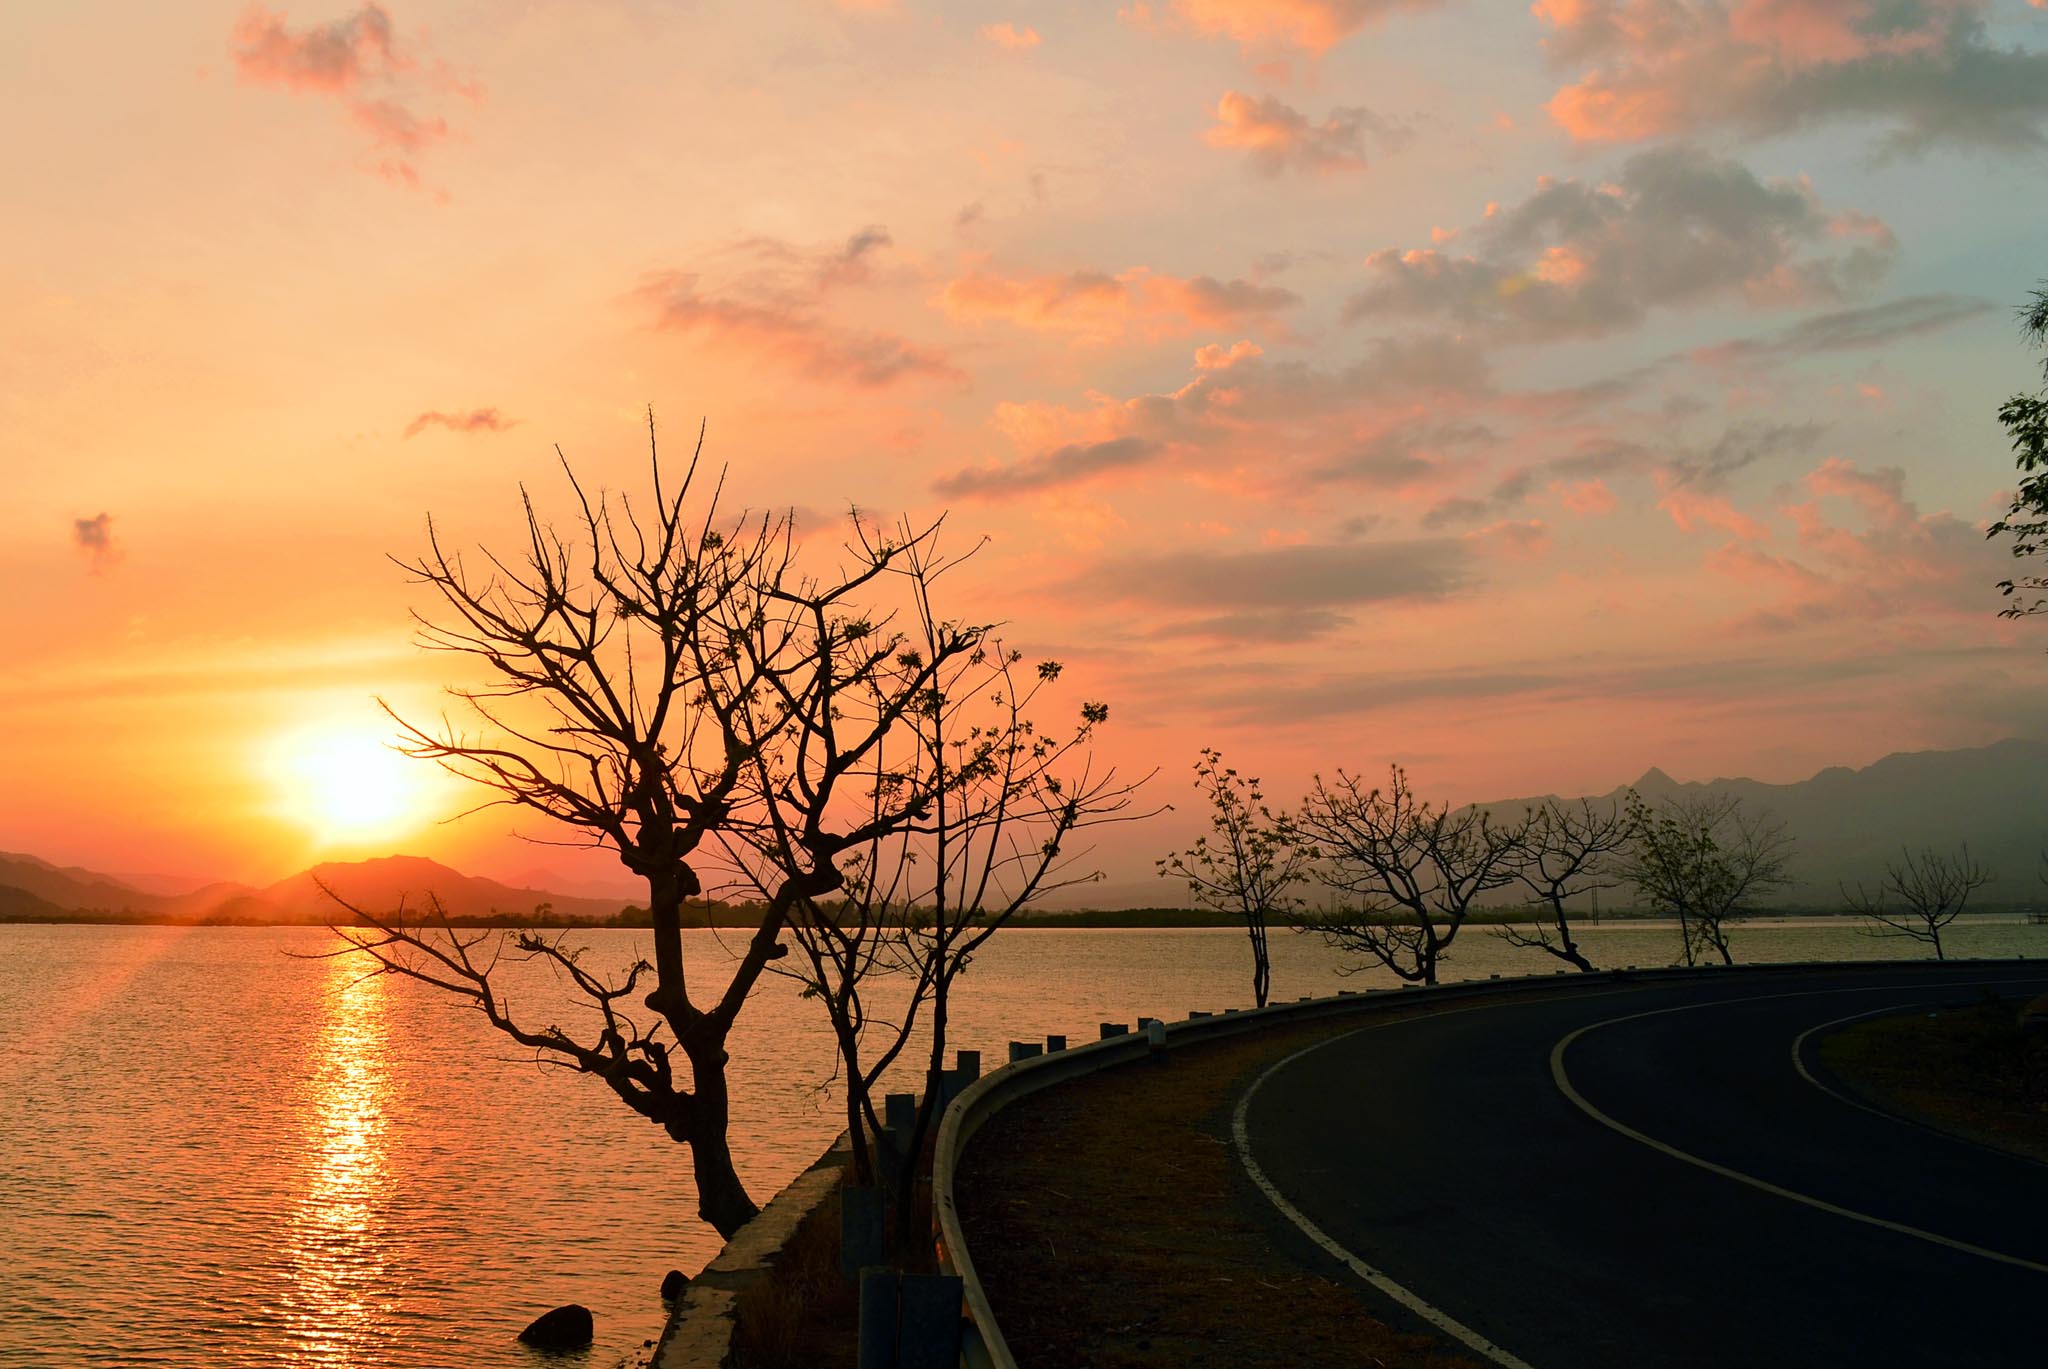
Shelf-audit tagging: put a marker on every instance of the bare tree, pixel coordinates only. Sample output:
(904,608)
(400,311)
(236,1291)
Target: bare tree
(638,673)
(1568,852)
(1931,888)
(989,802)
(1246,862)
(1411,870)
(1704,861)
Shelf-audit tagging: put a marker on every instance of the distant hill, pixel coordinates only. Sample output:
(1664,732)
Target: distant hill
(382,885)
(19,905)
(37,888)
(69,886)
(1847,823)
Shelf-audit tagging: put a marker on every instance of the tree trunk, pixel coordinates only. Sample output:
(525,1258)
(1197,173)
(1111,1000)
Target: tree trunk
(1262,965)
(856,1097)
(721,1198)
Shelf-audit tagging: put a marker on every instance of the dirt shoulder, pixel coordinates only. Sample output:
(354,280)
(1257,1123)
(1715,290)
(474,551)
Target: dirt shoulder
(1113,1227)
(1969,1071)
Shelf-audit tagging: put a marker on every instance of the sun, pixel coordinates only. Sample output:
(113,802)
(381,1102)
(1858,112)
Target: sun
(347,785)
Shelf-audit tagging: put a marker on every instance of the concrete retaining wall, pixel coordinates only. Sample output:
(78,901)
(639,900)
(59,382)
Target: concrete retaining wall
(700,1330)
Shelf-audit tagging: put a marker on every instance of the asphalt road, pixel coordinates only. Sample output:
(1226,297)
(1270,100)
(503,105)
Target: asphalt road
(1448,1152)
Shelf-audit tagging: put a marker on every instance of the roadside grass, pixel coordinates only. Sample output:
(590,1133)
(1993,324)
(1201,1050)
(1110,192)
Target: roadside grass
(1113,1229)
(1967,1070)
(803,1314)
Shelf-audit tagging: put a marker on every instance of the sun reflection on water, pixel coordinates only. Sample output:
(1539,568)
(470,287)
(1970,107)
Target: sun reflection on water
(337,1250)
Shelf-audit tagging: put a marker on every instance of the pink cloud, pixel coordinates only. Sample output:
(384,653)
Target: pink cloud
(1750,565)
(1315,26)
(789,333)
(1524,539)
(1277,137)
(356,61)
(1693,511)
(332,58)
(1679,226)
(1591,498)
(1007,35)
(777,299)
(474,421)
(1656,68)
(1103,307)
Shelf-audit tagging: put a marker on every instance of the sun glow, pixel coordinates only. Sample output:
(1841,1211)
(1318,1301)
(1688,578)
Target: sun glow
(348,786)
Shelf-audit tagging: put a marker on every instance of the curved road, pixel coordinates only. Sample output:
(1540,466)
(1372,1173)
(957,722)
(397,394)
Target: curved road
(1643,1174)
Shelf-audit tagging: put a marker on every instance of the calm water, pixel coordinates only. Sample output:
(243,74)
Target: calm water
(215,1154)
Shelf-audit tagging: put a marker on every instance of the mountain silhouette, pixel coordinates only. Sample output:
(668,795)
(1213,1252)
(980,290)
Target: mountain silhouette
(1847,823)
(378,886)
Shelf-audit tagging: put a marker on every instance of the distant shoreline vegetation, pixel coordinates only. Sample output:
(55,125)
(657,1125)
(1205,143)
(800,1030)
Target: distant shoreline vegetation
(743,916)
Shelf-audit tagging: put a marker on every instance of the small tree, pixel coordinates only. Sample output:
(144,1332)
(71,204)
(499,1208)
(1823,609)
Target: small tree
(1247,861)
(2025,417)
(1920,894)
(991,798)
(660,679)
(1568,852)
(1410,870)
(1704,861)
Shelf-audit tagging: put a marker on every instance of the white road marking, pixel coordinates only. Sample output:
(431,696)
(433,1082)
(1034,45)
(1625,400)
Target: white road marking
(1414,1302)
(1799,1064)
(1578,1100)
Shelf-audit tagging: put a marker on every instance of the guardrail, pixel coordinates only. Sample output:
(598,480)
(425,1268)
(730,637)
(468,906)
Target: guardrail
(1028,1073)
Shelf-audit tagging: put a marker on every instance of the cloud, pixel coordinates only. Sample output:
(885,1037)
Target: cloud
(1403,457)
(852,264)
(1278,138)
(1680,226)
(1285,579)
(1066,465)
(1102,307)
(1872,326)
(1522,539)
(356,61)
(474,421)
(1898,564)
(1312,25)
(1738,448)
(94,537)
(1694,511)
(1926,69)
(1272,627)
(770,298)
(792,336)
(1279,414)
(1007,35)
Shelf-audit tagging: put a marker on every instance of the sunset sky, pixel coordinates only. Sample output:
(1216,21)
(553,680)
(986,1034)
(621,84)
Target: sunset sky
(1527,394)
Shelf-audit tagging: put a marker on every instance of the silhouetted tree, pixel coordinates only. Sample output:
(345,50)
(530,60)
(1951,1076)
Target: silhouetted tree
(1704,861)
(1411,871)
(990,800)
(1568,851)
(1245,863)
(1930,888)
(2025,417)
(662,679)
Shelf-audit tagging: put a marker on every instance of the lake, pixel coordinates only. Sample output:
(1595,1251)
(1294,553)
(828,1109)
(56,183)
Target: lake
(216,1152)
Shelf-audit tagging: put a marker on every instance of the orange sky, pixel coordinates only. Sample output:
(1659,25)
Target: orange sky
(1529,397)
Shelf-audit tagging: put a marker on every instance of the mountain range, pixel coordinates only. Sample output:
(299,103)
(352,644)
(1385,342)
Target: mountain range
(31,888)
(1845,823)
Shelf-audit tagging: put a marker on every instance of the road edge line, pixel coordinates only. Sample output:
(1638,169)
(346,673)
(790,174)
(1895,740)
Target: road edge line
(1562,1079)
(1240,1135)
